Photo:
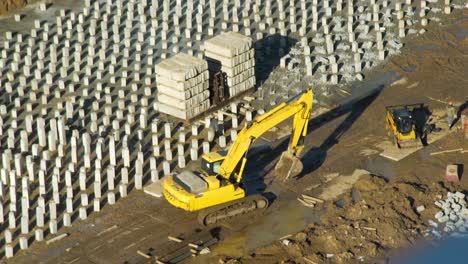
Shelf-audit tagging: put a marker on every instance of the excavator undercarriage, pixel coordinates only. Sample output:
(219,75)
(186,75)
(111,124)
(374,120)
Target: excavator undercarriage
(222,212)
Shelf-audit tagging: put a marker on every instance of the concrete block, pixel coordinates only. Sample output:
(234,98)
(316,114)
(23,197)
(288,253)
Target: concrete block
(53,226)
(123,190)
(420,208)
(9,251)
(82,213)
(111,197)
(39,234)
(66,219)
(222,141)
(166,167)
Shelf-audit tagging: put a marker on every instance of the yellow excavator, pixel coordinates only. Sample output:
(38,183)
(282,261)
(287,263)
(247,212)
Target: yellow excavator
(217,189)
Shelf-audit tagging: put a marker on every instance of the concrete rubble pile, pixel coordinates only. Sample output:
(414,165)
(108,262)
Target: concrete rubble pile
(233,54)
(453,216)
(182,83)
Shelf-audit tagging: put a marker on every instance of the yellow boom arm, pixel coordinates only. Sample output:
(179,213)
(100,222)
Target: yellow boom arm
(301,109)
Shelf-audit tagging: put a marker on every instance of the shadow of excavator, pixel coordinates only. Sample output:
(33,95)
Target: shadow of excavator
(315,157)
(256,172)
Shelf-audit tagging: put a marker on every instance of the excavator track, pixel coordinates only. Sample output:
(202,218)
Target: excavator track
(216,214)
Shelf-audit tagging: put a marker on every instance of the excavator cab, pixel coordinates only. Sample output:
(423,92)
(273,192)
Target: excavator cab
(211,162)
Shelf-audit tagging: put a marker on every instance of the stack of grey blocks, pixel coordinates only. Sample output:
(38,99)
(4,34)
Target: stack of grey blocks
(183,86)
(233,54)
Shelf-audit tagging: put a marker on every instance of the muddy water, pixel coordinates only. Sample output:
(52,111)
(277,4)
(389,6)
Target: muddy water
(285,217)
(380,166)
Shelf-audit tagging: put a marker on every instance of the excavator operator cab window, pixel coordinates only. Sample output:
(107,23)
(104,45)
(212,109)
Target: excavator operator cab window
(211,168)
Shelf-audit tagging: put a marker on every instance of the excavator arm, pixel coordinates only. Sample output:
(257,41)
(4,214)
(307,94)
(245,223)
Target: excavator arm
(300,109)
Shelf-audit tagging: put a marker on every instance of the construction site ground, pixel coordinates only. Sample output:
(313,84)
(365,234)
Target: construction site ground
(366,216)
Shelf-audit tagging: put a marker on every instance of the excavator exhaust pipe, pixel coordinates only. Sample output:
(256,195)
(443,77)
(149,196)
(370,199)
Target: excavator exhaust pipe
(288,166)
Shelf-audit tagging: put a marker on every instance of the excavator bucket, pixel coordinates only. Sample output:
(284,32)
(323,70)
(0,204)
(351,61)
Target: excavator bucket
(288,166)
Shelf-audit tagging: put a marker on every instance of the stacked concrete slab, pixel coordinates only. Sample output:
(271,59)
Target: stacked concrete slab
(183,86)
(233,54)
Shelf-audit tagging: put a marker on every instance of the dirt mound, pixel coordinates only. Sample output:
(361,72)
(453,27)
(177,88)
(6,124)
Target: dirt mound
(384,217)
(7,6)
(367,183)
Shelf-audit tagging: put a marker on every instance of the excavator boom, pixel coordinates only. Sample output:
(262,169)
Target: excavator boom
(300,109)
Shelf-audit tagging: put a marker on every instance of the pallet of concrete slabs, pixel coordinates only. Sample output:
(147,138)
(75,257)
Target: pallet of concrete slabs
(185,114)
(233,54)
(182,85)
(181,67)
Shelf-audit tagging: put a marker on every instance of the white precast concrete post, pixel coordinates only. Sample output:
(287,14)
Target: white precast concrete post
(138,174)
(167,130)
(11,220)
(447,8)
(99,145)
(194,130)
(194,143)
(84,199)
(69,205)
(123,190)
(2,212)
(53,217)
(112,151)
(24,142)
(74,150)
(233,135)
(422,13)
(19,164)
(86,138)
(181,161)
(154,169)
(42,188)
(111,177)
(206,147)
(211,134)
(97,189)
(41,133)
(82,179)
(193,153)
(8,246)
(111,197)
(166,167)
(55,188)
(167,149)
(401,28)
(248,115)
(222,141)
(124,175)
(83,213)
(66,219)
(39,233)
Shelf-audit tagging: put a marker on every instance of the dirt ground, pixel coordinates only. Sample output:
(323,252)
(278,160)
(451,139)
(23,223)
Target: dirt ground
(7,6)
(377,214)
(364,219)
